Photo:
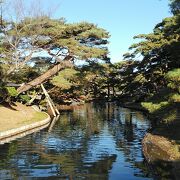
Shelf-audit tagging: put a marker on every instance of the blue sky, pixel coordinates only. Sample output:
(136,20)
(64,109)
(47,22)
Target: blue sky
(122,18)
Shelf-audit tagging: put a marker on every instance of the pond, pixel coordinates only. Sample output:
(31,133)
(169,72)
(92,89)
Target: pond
(95,141)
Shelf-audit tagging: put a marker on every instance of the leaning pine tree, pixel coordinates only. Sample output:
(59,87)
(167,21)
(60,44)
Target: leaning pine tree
(64,43)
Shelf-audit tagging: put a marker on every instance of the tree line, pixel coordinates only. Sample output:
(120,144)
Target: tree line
(36,48)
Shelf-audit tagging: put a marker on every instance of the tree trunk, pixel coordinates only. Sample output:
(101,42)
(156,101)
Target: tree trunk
(114,92)
(51,72)
(108,86)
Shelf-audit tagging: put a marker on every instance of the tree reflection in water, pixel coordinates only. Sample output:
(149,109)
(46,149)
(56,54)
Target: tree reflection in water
(98,141)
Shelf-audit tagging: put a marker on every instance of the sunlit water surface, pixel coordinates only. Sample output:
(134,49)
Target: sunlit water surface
(92,142)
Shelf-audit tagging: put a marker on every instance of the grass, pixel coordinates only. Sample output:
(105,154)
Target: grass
(18,115)
(38,116)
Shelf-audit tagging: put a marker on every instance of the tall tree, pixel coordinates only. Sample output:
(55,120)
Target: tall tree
(67,43)
(159,51)
(60,42)
(18,46)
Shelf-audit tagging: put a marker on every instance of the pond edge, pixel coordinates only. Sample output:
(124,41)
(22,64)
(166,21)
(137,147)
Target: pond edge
(12,134)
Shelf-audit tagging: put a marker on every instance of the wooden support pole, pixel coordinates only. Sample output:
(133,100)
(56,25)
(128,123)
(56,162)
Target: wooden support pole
(48,100)
(53,123)
(54,105)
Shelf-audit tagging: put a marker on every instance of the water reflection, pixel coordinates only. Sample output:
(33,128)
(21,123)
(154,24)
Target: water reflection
(94,142)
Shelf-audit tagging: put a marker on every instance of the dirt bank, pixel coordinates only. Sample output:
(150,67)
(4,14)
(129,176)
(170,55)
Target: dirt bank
(159,148)
(163,156)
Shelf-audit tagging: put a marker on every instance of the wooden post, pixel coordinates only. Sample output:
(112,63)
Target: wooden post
(48,100)
(53,105)
(53,123)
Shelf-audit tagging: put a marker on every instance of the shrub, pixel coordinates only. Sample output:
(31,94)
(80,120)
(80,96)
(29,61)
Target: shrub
(173,78)
(24,98)
(175,98)
(153,107)
(12,91)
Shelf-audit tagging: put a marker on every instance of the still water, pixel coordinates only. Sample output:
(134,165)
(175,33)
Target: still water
(92,142)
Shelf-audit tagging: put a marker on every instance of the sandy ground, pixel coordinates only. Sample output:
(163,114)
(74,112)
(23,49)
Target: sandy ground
(17,115)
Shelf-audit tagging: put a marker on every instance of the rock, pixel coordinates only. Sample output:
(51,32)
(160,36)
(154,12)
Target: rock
(163,156)
(157,148)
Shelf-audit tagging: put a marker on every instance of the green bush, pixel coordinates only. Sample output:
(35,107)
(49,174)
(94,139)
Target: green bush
(173,78)
(43,102)
(153,107)
(12,91)
(175,98)
(24,98)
